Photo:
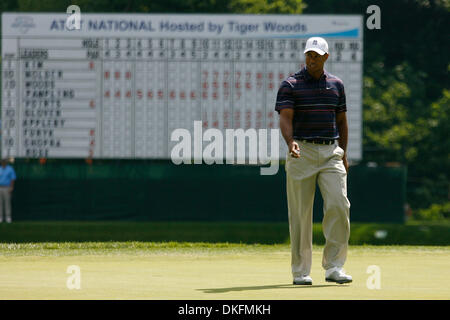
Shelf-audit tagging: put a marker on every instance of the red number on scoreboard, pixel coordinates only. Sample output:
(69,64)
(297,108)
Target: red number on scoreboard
(259,115)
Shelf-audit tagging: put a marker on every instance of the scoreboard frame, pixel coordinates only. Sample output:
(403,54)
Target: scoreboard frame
(44,28)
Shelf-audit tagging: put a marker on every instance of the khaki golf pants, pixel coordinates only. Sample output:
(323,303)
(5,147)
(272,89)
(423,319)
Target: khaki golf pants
(321,164)
(5,202)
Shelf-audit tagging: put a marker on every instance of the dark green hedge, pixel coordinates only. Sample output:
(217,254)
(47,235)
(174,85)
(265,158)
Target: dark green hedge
(232,232)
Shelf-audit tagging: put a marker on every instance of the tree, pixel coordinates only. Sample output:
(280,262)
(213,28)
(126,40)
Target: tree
(267,6)
(400,126)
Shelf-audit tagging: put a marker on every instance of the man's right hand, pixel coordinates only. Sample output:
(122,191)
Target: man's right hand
(294,149)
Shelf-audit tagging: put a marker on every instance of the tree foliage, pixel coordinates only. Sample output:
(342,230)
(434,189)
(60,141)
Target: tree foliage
(267,7)
(161,6)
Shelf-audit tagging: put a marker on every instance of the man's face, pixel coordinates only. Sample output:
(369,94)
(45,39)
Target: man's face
(314,61)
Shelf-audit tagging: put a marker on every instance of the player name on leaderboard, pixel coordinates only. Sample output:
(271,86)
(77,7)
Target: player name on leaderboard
(119,86)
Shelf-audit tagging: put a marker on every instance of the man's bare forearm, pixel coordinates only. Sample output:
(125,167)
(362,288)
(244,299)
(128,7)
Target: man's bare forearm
(286,126)
(343,131)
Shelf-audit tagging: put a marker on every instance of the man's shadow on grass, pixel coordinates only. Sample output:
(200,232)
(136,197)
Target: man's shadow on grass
(274,286)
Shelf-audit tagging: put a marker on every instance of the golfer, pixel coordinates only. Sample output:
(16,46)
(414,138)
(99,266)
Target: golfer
(312,109)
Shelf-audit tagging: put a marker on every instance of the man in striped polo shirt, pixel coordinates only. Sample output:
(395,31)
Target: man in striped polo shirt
(313,121)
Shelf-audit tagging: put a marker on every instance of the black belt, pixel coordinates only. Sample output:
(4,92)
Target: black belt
(319,141)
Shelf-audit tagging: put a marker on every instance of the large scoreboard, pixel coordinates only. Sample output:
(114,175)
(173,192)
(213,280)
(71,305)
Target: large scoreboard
(118,86)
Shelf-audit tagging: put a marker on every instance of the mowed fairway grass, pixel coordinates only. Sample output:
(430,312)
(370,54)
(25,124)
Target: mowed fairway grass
(177,270)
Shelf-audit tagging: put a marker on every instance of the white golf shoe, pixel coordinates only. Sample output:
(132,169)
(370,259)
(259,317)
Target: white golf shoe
(302,280)
(337,275)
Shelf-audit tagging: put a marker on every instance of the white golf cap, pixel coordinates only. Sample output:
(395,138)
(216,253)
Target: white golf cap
(316,44)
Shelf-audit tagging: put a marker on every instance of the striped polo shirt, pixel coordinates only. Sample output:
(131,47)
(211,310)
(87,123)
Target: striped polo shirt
(315,104)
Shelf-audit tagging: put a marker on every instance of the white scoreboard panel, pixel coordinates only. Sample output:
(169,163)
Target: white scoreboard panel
(121,84)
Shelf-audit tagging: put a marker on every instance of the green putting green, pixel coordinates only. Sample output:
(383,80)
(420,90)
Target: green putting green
(173,270)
